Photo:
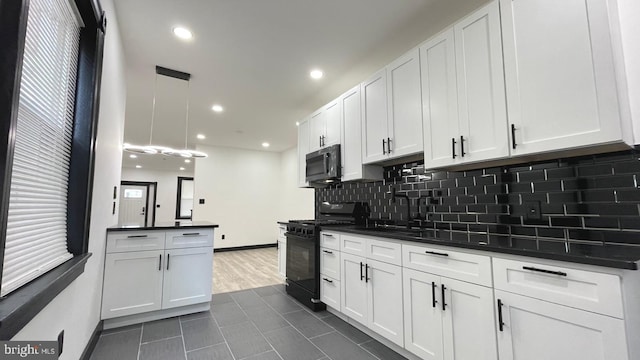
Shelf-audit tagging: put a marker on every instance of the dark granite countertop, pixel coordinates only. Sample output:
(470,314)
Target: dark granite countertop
(621,257)
(166,226)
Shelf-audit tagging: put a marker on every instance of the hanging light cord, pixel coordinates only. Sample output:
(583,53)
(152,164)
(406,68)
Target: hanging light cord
(186,121)
(153,108)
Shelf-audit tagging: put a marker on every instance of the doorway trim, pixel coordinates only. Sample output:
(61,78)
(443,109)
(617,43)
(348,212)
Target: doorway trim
(146,184)
(179,197)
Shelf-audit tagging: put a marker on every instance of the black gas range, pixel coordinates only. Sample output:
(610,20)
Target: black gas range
(303,249)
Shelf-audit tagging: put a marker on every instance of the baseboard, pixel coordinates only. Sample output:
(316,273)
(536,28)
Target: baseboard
(91,345)
(248,247)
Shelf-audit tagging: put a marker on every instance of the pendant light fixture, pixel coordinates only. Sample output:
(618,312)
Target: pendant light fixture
(152,149)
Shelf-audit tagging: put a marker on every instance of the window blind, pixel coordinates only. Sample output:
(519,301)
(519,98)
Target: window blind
(36,237)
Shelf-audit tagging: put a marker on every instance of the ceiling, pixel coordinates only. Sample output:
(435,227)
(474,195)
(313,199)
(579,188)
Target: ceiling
(253,57)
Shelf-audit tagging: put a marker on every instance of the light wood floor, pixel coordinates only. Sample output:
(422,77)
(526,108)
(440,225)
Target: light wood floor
(245,269)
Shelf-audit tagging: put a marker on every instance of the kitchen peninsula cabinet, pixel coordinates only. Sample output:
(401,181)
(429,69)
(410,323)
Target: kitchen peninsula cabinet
(463,92)
(392,111)
(156,272)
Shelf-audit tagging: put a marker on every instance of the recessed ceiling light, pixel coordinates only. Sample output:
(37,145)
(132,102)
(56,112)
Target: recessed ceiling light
(297,123)
(187,160)
(182,33)
(217,108)
(201,136)
(181,169)
(316,74)
(138,166)
(133,156)
(265,144)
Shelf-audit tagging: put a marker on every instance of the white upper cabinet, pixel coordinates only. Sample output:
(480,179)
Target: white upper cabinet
(316,130)
(440,101)
(332,124)
(392,111)
(560,75)
(351,149)
(463,93)
(404,106)
(481,92)
(325,126)
(374,118)
(303,150)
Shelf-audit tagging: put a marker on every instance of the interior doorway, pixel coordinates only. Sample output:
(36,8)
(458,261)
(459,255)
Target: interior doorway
(137,203)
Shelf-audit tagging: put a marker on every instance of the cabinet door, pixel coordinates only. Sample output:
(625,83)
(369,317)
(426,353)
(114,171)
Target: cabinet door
(132,283)
(422,314)
(468,321)
(187,277)
(316,130)
(481,91)
(560,74)
(332,124)
(330,292)
(374,118)
(440,101)
(385,300)
(351,149)
(535,329)
(353,287)
(405,105)
(303,150)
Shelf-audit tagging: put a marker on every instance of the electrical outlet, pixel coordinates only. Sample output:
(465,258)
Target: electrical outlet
(533,210)
(60,342)
(200,201)
(222,237)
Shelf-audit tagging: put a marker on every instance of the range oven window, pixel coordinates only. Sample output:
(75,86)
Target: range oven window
(301,261)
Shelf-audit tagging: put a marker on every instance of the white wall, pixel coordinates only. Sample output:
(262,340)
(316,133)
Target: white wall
(295,203)
(167,189)
(77,308)
(241,191)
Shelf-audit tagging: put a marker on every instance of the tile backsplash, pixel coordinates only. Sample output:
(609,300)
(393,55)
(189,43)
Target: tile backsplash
(589,199)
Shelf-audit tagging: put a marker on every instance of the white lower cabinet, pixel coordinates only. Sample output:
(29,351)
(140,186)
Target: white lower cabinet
(447,319)
(132,283)
(460,304)
(354,288)
(535,329)
(137,282)
(187,277)
(384,300)
(372,295)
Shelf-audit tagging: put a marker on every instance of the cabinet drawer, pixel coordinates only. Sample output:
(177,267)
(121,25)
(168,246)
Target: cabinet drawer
(591,291)
(353,244)
(452,264)
(385,251)
(330,291)
(134,241)
(330,240)
(188,238)
(330,263)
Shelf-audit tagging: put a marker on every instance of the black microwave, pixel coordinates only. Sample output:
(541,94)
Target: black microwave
(323,166)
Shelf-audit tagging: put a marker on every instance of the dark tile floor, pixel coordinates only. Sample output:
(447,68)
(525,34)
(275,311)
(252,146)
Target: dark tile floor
(256,324)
